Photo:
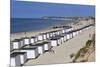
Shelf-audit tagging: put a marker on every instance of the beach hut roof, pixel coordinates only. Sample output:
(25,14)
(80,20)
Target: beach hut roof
(33,37)
(45,42)
(39,44)
(58,36)
(55,38)
(25,38)
(16,53)
(28,48)
(16,40)
(63,34)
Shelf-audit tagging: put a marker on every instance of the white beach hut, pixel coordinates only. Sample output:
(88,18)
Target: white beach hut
(54,33)
(48,35)
(63,31)
(22,42)
(69,35)
(47,46)
(11,47)
(56,41)
(40,37)
(70,29)
(44,36)
(23,56)
(40,47)
(36,39)
(80,31)
(51,34)
(33,40)
(77,32)
(26,40)
(16,44)
(61,39)
(74,33)
(32,52)
(67,28)
(64,37)
(58,32)
(15,60)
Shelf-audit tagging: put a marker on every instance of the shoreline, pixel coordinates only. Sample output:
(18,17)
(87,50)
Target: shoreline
(19,35)
(30,33)
(62,52)
(50,27)
(55,25)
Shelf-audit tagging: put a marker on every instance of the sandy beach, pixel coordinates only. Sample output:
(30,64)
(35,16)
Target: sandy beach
(30,33)
(63,52)
(51,33)
(19,35)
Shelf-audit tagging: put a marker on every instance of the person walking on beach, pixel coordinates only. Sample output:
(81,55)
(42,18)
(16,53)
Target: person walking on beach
(25,34)
(51,51)
(89,35)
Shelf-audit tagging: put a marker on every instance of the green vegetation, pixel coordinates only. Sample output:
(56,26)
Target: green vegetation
(83,60)
(88,43)
(80,53)
(72,55)
(84,50)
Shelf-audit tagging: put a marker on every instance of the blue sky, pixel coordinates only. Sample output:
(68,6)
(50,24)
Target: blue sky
(22,9)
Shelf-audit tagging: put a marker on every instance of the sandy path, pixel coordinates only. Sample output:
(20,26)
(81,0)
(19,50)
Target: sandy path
(62,52)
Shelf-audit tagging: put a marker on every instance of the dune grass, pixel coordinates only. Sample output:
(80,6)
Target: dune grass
(81,53)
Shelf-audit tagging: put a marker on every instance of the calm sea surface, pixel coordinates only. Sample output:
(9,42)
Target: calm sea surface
(28,24)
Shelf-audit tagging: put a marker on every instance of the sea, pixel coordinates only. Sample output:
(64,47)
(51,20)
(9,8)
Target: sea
(32,24)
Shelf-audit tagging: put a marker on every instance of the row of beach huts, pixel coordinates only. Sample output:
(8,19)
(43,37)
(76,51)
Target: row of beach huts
(31,47)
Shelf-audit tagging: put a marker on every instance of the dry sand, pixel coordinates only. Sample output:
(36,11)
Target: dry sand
(63,52)
(34,33)
(30,33)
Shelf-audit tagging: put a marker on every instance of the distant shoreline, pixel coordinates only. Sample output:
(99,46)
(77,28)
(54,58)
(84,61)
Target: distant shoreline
(25,25)
(31,33)
(50,27)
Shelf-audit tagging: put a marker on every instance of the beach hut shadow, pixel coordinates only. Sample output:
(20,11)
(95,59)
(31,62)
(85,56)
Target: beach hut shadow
(51,51)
